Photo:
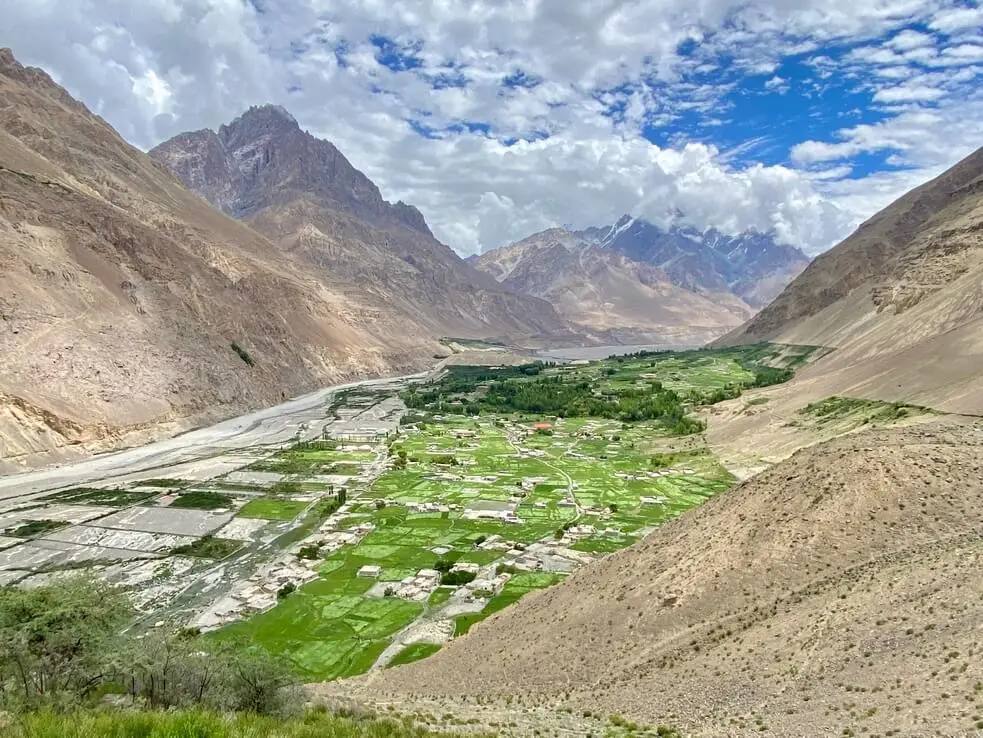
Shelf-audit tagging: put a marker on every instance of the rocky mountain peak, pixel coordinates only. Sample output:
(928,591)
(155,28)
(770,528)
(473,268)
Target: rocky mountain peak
(751,265)
(263,158)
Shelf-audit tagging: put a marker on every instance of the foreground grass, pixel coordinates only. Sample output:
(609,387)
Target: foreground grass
(195,724)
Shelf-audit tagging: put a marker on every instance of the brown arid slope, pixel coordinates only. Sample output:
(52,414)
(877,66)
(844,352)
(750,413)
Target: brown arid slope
(899,300)
(305,196)
(121,294)
(603,289)
(837,593)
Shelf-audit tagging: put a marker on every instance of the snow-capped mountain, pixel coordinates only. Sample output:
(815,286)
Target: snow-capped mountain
(677,285)
(750,265)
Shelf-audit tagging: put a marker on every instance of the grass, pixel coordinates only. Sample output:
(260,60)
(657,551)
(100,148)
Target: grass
(208,547)
(169,483)
(327,629)
(271,508)
(201,724)
(439,596)
(860,411)
(414,652)
(93,496)
(32,528)
(202,500)
(332,628)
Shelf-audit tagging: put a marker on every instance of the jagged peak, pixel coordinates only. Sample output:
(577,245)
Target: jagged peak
(268,114)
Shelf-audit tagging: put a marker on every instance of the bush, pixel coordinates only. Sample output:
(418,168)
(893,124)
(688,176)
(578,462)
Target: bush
(457,578)
(310,552)
(243,354)
(61,647)
(443,565)
(286,590)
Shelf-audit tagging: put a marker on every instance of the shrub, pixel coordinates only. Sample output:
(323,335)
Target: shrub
(457,578)
(310,552)
(286,590)
(243,354)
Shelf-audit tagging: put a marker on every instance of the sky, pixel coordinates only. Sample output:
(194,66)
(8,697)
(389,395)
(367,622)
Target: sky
(499,118)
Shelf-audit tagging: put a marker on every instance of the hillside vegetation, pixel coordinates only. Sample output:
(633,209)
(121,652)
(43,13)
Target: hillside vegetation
(202,724)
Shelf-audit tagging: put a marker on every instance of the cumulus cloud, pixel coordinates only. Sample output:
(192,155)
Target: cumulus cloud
(501,118)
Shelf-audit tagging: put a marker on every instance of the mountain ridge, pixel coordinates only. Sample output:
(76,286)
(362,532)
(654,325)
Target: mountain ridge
(123,292)
(676,287)
(303,194)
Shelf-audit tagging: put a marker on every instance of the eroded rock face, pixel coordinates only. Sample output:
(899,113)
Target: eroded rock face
(677,286)
(263,158)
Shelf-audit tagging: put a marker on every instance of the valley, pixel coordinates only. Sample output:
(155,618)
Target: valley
(366,525)
(514,388)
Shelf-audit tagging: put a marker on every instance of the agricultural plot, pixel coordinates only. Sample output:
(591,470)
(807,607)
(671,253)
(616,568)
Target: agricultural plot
(271,508)
(487,495)
(847,413)
(377,543)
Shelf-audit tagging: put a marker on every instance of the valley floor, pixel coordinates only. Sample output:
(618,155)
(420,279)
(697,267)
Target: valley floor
(372,525)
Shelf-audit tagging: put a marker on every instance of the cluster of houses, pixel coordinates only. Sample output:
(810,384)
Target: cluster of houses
(506,516)
(258,592)
(430,507)
(335,539)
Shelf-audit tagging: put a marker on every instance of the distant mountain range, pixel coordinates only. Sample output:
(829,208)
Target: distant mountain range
(638,279)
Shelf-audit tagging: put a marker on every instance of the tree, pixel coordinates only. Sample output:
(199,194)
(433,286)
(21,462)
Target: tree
(55,641)
(61,645)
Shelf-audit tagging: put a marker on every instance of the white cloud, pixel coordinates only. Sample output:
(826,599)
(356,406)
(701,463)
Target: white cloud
(605,70)
(909,39)
(908,93)
(957,19)
(777,84)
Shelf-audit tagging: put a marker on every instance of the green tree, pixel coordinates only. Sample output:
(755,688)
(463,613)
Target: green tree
(55,641)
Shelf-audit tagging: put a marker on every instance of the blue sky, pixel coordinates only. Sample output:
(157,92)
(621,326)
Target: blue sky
(499,118)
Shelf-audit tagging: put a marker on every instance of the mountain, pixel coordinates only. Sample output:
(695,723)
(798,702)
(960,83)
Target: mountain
(304,195)
(751,265)
(264,158)
(675,286)
(122,293)
(832,594)
(606,290)
(899,300)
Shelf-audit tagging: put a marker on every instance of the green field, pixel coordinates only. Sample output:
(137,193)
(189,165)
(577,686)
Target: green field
(273,508)
(470,485)
(414,652)
(92,496)
(854,411)
(32,528)
(208,547)
(202,500)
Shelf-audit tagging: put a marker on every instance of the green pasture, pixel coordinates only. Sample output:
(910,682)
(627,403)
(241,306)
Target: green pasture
(414,652)
(93,496)
(273,508)
(520,585)
(331,628)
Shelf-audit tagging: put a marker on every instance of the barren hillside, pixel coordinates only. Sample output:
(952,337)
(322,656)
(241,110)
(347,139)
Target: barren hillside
(831,595)
(122,294)
(605,290)
(899,300)
(307,198)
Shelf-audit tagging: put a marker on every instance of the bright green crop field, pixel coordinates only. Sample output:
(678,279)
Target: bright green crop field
(472,483)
